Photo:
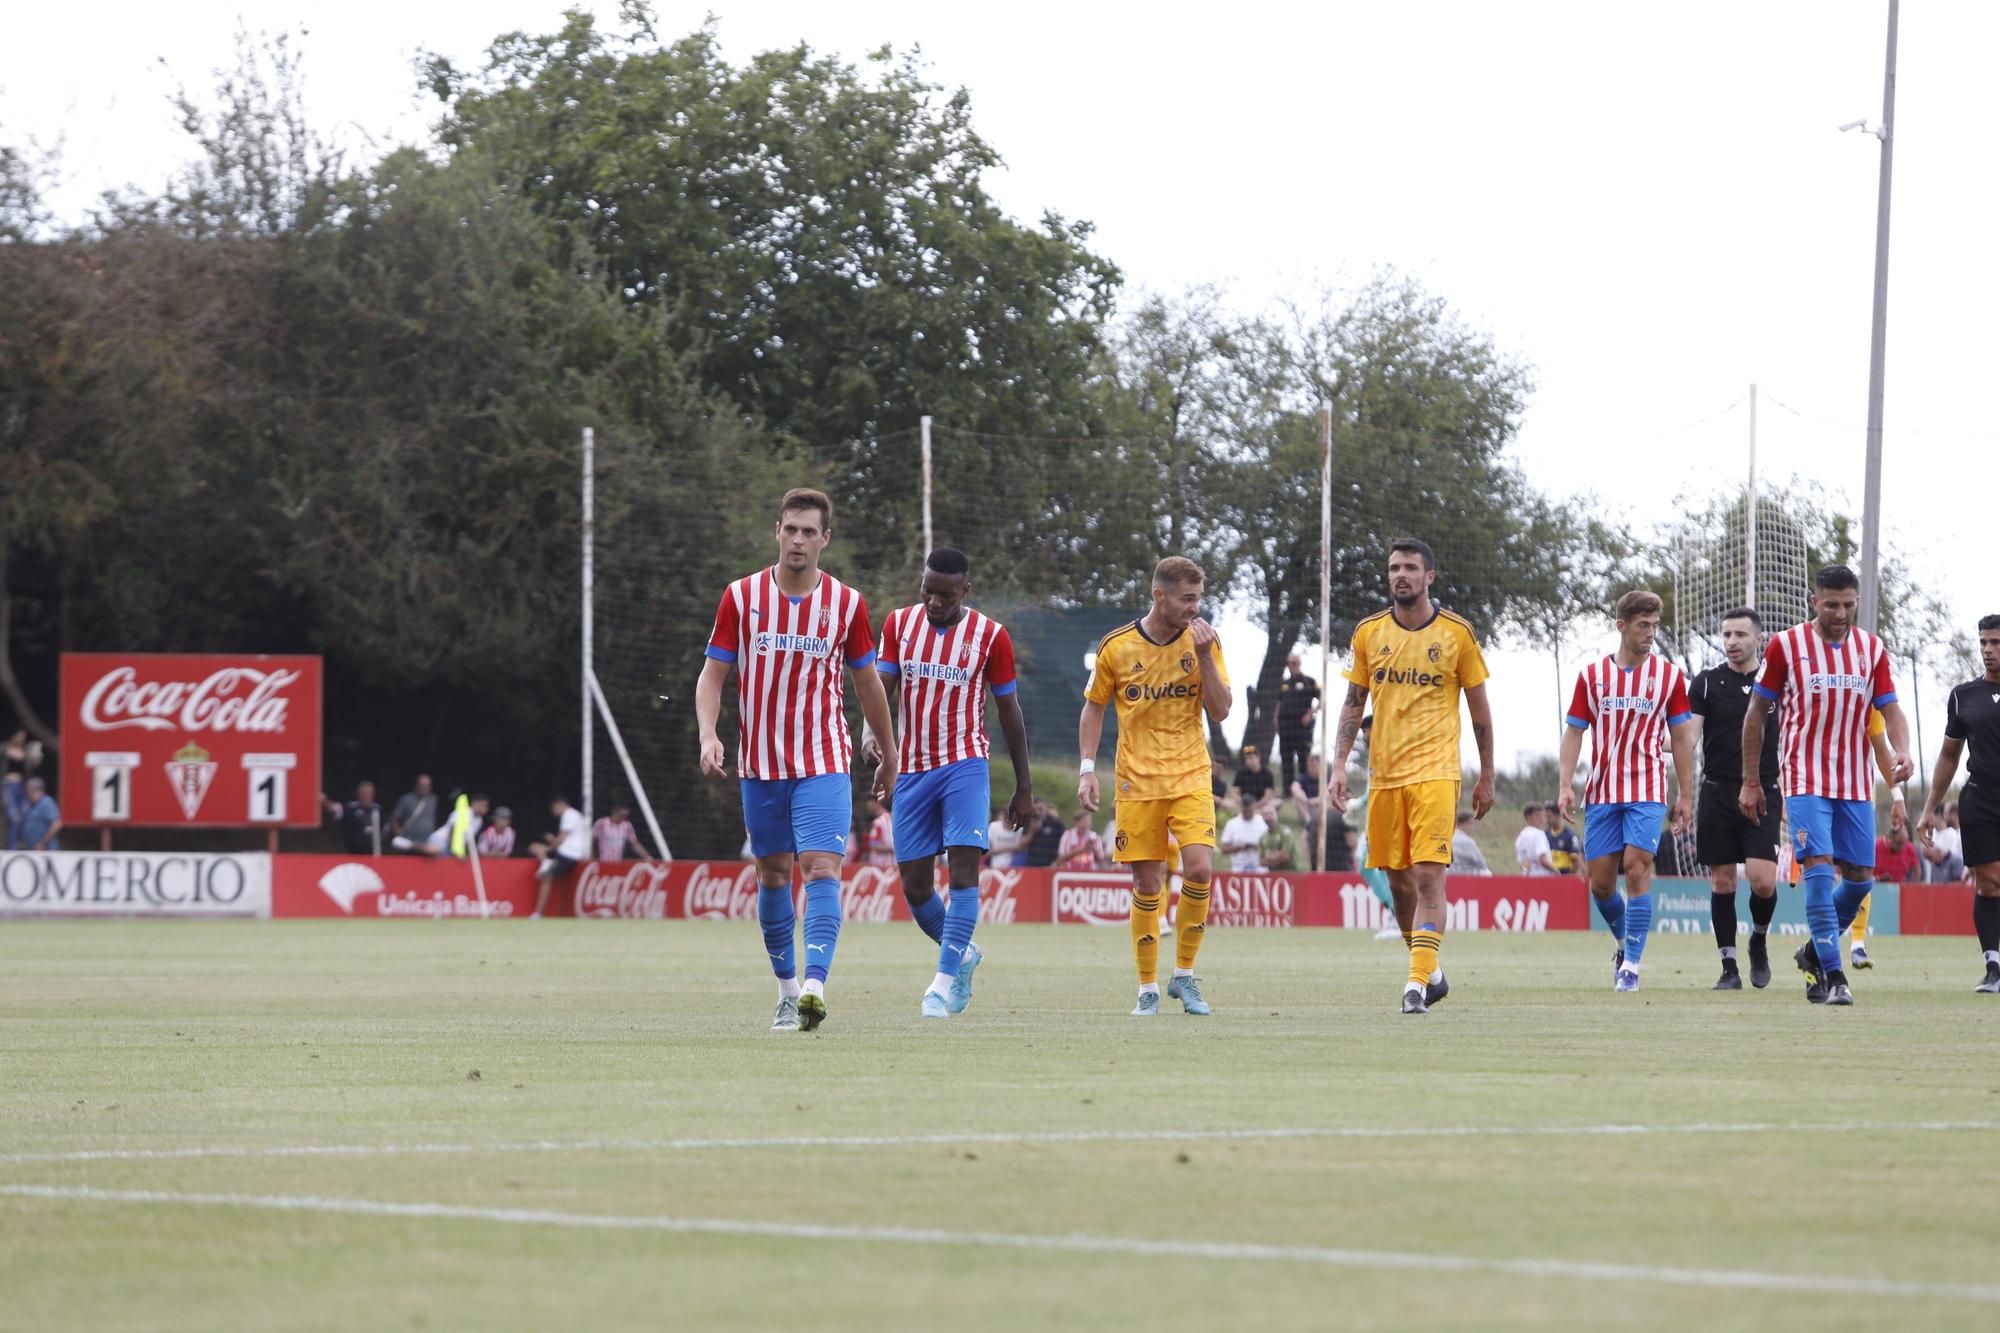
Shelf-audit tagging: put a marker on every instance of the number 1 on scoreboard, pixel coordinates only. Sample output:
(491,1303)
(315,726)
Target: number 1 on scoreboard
(111,786)
(268,774)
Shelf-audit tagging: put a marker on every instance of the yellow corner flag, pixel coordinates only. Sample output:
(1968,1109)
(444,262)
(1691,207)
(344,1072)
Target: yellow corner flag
(461,823)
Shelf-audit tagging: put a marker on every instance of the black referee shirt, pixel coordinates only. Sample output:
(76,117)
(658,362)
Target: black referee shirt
(1721,697)
(1972,714)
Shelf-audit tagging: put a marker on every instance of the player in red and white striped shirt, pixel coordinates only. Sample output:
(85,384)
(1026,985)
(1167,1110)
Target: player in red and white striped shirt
(1632,702)
(1825,675)
(944,657)
(787,631)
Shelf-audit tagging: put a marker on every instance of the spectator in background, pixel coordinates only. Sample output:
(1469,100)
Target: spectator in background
(1531,845)
(1946,851)
(1896,857)
(1252,780)
(1278,849)
(361,820)
(1225,799)
(23,757)
(1304,791)
(497,838)
(560,852)
(1466,858)
(440,840)
(1045,835)
(1298,708)
(1003,843)
(1340,843)
(1241,835)
(614,835)
(880,844)
(41,821)
(416,813)
(1565,852)
(1081,848)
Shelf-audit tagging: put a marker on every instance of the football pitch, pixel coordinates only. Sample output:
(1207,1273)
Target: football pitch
(586,1124)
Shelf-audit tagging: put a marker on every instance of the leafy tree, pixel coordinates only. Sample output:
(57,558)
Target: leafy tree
(820,233)
(1424,411)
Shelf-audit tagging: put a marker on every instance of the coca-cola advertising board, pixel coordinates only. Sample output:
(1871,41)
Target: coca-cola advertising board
(180,740)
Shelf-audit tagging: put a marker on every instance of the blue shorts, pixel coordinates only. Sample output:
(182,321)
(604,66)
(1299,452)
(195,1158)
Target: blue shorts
(1823,826)
(798,814)
(1609,829)
(940,808)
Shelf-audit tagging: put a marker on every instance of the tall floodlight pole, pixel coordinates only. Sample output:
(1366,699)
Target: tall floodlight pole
(1871,505)
(589,596)
(1750,514)
(1326,759)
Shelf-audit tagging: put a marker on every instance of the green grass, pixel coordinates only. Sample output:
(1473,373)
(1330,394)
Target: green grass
(260,1035)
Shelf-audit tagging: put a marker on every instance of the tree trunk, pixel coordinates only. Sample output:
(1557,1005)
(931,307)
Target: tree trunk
(10,685)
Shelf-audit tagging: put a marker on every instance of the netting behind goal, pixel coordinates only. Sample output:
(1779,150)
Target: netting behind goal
(1712,577)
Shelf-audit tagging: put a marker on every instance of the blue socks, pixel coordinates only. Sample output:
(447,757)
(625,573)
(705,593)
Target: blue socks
(1638,924)
(1612,909)
(776,914)
(959,920)
(1847,900)
(1822,917)
(822,926)
(930,916)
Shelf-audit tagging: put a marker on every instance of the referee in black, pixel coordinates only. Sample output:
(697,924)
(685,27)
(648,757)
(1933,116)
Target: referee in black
(1723,838)
(1972,717)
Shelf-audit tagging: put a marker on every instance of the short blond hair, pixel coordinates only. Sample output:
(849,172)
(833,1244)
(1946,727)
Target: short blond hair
(1176,570)
(1638,602)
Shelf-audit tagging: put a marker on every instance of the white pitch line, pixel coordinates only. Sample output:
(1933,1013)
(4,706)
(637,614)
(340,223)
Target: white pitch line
(1024,1137)
(1830,1284)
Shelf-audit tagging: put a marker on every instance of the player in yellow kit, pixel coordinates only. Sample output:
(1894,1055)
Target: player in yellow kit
(1416,658)
(1878,743)
(1162,672)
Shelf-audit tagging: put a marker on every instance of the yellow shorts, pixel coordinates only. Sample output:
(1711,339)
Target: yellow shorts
(1410,824)
(1143,826)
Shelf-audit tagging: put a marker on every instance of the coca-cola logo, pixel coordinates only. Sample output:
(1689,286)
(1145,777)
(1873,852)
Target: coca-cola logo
(996,896)
(870,893)
(232,699)
(720,897)
(640,892)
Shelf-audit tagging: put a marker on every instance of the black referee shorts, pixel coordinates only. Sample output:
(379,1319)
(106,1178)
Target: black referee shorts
(1723,837)
(1979,824)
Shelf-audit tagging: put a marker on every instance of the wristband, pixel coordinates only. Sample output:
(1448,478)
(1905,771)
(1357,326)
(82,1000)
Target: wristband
(1089,766)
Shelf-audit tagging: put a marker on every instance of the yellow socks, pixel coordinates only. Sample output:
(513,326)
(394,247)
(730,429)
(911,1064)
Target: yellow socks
(1190,923)
(1146,937)
(1424,942)
(1860,926)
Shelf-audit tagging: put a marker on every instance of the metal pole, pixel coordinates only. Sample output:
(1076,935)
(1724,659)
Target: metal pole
(1871,505)
(1325,628)
(596,690)
(1750,515)
(589,597)
(924,425)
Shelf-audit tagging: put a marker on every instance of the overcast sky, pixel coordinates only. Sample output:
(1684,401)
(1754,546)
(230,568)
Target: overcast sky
(1648,204)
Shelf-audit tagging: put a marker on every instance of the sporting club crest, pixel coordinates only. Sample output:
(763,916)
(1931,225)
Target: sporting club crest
(1187,663)
(1437,653)
(190,771)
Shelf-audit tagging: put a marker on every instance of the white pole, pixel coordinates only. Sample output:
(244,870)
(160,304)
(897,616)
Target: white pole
(631,774)
(924,425)
(1871,498)
(478,876)
(1326,758)
(1750,515)
(589,597)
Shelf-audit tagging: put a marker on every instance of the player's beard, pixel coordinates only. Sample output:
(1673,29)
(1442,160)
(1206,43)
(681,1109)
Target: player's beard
(1405,599)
